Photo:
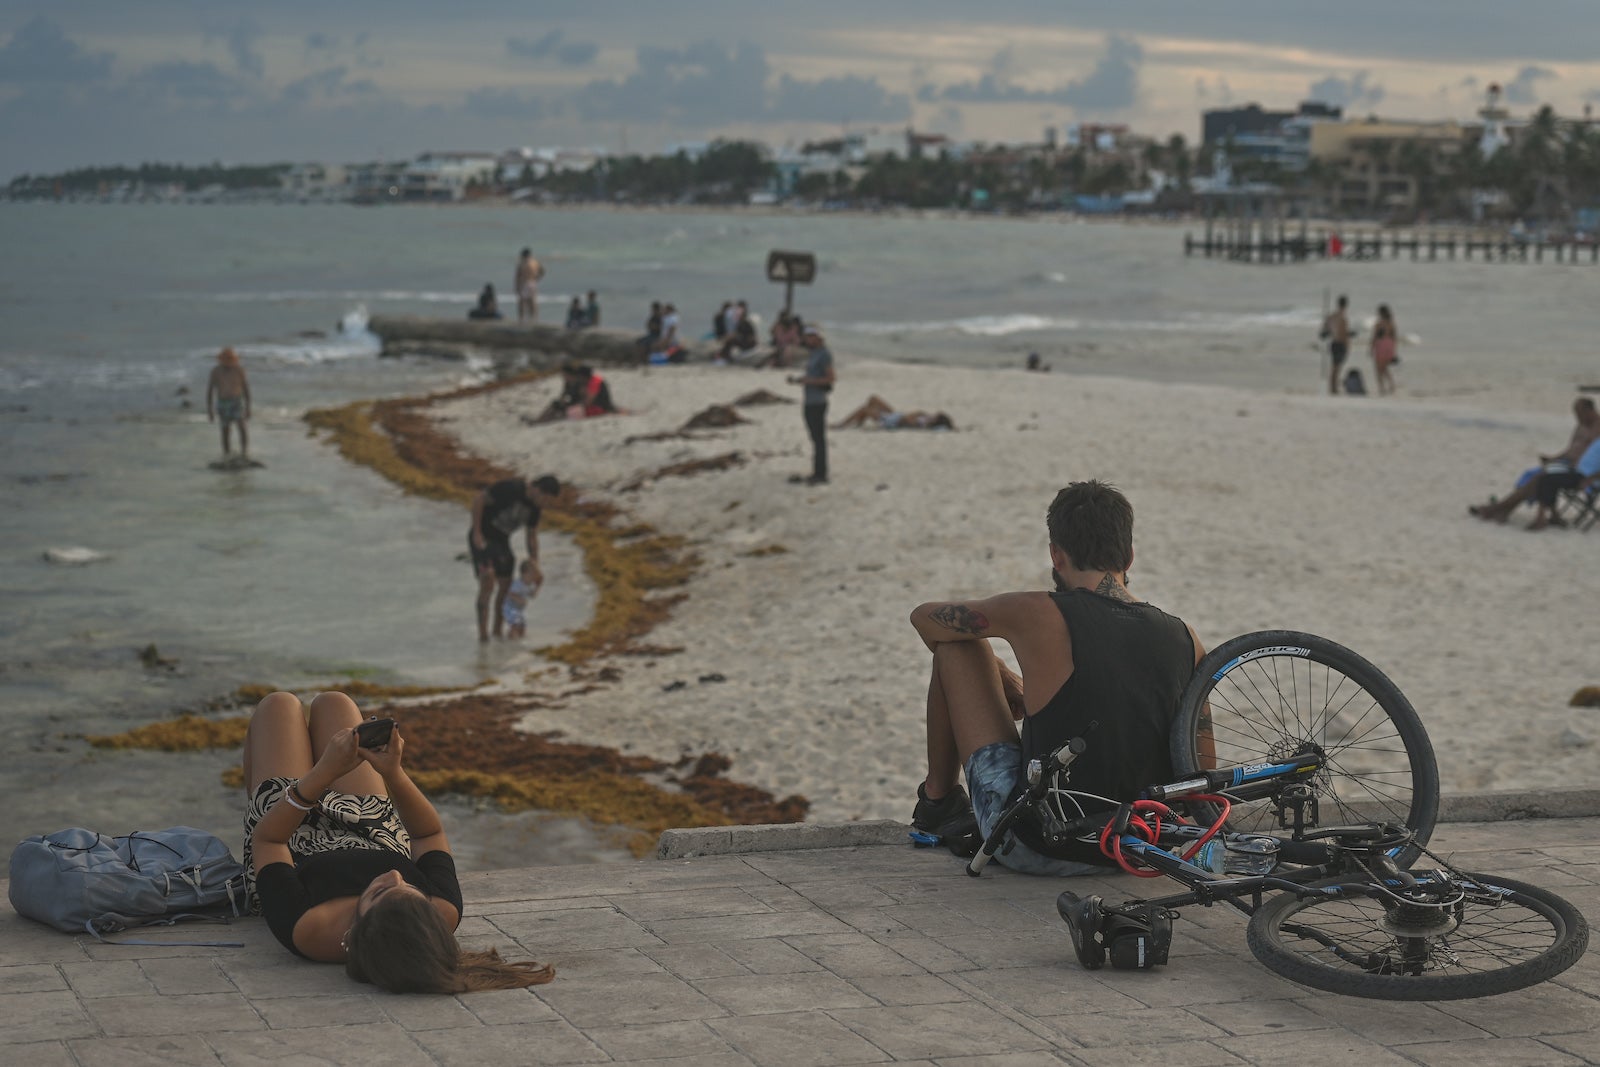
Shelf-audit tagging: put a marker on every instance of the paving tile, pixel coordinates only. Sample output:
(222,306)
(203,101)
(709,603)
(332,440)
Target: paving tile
(1541,1011)
(370,1045)
(522,1045)
(831,895)
(718,1059)
(688,904)
(931,955)
(547,933)
(170,1051)
(902,989)
(768,955)
(798,1039)
(1583,1046)
(936,1030)
(26,1018)
(415,1013)
(299,1013)
(1007,1059)
(23,941)
(854,955)
(741,927)
(577,963)
(175,977)
(121,979)
(1391,1023)
(1172,1054)
(579,881)
(501,1007)
(767,994)
(778,897)
(1494,1052)
(696,961)
(1041,991)
(660,1041)
(1209,979)
(627,1000)
(283,975)
(1311,1046)
(41,1054)
(1102,1029)
(202,1013)
(871,921)
(31,978)
(994,950)
(1259,1016)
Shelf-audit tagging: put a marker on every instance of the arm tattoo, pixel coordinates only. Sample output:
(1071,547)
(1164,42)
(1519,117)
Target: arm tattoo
(1108,587)
(960,618)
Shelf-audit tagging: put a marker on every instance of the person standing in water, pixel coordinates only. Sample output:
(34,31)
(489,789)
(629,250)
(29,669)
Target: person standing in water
(1385,354)
(228,400)
(1336,330)
(526,283)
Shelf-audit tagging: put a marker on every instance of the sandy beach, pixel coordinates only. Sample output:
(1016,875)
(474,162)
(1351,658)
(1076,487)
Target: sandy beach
(1254,510)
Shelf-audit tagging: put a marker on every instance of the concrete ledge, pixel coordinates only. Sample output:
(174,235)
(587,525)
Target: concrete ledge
(1505,806)
(776,837)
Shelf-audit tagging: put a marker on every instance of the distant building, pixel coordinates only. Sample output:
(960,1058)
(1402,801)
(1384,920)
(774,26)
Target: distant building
(1278,138)
(1379,163)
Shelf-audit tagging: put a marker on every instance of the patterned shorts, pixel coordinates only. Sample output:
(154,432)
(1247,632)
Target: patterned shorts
(343,820)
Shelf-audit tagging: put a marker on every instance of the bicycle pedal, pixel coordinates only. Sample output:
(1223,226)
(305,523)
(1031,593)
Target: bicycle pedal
(922,839)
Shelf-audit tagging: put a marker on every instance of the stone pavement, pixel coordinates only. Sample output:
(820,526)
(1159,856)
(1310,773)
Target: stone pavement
(867,954)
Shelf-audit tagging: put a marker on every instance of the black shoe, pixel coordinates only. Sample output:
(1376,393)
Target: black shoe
(948,819)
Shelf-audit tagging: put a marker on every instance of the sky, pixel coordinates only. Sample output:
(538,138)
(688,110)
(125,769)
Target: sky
(108,81)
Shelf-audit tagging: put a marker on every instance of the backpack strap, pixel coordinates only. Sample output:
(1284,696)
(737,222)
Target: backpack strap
(116,924)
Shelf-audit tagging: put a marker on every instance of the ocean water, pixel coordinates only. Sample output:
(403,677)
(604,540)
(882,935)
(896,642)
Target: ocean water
(308,569)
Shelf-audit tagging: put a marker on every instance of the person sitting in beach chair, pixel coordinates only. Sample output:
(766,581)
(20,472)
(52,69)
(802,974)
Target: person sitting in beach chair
(878,412)
(1096,663)
(1584,433)
(1546,489)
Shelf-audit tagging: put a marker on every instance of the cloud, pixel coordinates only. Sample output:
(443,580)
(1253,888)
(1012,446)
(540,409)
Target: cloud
(183,82)
(40,52)
(1522,89)
(325,84)
(321,42)
(241,40)
(847,99)
(1206,93)
(552,46)
(1112,85)
(1353,92)
(494,103)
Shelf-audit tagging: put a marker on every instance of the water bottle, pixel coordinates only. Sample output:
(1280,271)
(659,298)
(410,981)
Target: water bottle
(1246,854)
(1212,857)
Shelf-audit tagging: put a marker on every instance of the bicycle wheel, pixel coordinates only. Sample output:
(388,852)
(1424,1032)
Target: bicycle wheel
(1268,694)
(1455,936)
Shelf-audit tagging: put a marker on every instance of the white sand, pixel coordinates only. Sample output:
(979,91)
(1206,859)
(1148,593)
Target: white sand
(1342,516)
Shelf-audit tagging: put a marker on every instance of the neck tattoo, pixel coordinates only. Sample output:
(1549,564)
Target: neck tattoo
(1110,587)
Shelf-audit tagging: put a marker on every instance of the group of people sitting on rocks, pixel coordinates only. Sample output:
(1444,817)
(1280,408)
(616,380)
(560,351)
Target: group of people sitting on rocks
(1575,467)
(583,312)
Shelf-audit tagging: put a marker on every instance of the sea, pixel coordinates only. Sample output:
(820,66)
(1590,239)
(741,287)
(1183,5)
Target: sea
(116,534)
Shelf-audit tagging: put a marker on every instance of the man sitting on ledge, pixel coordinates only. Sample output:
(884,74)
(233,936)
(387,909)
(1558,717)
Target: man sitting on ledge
(1096,663)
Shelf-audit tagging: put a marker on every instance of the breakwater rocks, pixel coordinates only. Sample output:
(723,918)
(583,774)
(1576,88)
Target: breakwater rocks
(537,345)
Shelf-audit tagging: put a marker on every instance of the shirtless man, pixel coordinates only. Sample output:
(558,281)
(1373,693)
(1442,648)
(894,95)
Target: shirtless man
(1097,663)
(1586,432)
(497,513)
(1336,328)
(228,398)
(526,284)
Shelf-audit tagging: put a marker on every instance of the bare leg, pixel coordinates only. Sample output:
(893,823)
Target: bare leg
(227,437)
(330,713)
(244,439)
(485,594)
(966,710)
(277,745)
(500,604)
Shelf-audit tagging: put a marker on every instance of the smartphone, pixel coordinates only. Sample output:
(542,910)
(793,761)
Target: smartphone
(374,733)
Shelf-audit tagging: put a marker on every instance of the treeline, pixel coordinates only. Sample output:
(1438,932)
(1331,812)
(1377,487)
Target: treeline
(726,172)
(94,179)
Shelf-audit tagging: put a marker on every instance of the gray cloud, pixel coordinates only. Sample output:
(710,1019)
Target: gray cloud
(183,82)
(321,42)
(553,46)
(1112,85)
(1353,92)
(847,99)
(241,40)
(324,84)
(40,52)
(1523,88)
(493,103)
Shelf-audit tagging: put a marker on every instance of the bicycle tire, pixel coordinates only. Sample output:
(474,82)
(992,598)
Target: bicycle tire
(1542,937)
(1310,689)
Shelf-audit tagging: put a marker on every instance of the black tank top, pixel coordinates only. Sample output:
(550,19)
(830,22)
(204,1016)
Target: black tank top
(1130,665)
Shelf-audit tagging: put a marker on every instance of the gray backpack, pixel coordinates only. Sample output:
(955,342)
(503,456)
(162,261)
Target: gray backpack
(79,881)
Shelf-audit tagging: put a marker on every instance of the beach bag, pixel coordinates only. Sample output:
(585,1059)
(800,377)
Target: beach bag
(79,881)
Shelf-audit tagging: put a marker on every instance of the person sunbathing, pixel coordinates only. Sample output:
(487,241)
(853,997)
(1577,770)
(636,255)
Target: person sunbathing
(878,411)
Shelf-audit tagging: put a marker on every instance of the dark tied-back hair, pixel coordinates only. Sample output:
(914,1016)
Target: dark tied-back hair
(403,945)
(546,483)
(1093,524)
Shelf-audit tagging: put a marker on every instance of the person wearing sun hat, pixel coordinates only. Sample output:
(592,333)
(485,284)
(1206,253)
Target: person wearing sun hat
(228,400)
(818,383)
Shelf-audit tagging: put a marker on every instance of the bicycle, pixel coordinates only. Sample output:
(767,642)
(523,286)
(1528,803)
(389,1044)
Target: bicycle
(1331,906)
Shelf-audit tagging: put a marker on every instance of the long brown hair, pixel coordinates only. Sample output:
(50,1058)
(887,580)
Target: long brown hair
(402,945)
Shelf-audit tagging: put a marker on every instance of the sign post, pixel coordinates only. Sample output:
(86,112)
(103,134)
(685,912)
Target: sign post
(791,268)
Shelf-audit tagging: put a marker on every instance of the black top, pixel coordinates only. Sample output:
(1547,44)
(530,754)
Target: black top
(1130,665)
(288,891)
(506,508)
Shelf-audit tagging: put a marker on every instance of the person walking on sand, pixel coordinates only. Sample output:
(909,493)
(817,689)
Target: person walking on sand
(1385,339)
(818,383)
(1336,328)
(228,400)
(526,284)
(497,512)
(1097,663)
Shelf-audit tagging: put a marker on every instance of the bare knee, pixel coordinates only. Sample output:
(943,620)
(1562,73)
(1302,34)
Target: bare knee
(334,706)
(278,704)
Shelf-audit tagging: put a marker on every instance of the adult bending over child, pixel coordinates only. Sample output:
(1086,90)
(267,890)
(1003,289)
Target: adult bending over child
(348,861)
(1096,662)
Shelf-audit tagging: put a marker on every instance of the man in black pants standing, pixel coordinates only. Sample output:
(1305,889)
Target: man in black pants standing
(497,512)
(818,382)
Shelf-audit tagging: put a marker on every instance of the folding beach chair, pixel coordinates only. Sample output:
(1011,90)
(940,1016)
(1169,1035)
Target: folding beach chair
(1579,508)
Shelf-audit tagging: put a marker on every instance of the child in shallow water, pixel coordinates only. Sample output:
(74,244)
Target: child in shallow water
(523,588)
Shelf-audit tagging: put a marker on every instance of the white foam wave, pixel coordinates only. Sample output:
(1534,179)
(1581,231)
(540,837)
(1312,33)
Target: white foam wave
(352,341)
(73,556)
(974,326)
(1192,322)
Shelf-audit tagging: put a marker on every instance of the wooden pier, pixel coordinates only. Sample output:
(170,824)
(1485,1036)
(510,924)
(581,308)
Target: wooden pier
(1258,244)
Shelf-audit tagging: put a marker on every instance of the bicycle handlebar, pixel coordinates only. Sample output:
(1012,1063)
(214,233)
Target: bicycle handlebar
(1039,775)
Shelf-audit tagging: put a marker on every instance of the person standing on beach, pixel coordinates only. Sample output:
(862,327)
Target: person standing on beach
(228,400)
(1097,664)
(818,383)
(1385,354)
(526,284)
(497,512)
(1336,328)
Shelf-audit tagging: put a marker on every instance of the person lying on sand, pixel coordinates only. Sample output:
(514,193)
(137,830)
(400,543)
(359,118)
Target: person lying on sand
(1096,663)
(878,411)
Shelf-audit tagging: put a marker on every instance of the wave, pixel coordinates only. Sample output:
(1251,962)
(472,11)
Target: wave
(352,341)
(974,326)
(72,556)
(1190,322)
